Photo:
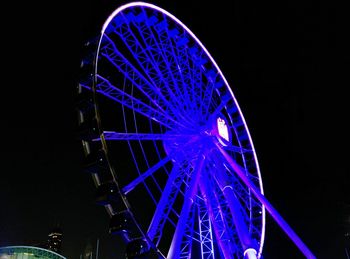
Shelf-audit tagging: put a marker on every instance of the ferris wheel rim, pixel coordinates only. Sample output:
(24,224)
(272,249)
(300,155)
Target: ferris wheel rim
(140,3)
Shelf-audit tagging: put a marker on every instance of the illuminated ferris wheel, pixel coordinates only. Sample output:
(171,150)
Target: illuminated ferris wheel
(167,144)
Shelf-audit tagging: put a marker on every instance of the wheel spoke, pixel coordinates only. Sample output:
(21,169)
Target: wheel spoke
(152,92)
(175,248)
(183,60)
(196,83)
(128,188)
(107,89)
(112,135)
(149,65)
(208,95)
(166,37)
(115,57)
(170,191)
(157,46)
(236,149)
(219,108)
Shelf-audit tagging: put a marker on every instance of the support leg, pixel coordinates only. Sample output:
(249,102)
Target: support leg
(273,212)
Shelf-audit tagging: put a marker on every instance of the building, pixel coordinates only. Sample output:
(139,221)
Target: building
(28,252)
(90,252)
(54,240)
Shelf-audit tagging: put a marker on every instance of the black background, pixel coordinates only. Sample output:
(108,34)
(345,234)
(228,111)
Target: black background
(287,64)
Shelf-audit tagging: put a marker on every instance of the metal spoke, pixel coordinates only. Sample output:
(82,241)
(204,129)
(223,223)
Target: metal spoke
(107,89)
(168,36)
(237,149)
(160,59)
(147,63)
(151,91)
(112,135)
(175,248)
(128,188)
(114,56)
(166,201)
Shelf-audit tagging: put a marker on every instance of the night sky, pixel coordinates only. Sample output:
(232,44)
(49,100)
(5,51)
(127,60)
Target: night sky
(286,62)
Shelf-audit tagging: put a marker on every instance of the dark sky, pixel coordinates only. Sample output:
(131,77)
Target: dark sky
(286,63)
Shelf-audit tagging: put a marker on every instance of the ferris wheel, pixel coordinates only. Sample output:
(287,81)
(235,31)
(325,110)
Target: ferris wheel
(167,144)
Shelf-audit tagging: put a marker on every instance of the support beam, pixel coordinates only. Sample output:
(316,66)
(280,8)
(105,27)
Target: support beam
(273,212)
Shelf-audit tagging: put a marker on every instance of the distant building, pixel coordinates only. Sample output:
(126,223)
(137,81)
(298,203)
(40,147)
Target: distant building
(89,251)
(344,224)
(54,241)
(28,252)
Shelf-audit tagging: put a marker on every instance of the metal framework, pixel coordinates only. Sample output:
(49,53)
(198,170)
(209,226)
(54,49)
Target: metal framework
(176,139)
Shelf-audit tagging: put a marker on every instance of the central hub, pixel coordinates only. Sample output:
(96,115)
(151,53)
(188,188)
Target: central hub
(191,140)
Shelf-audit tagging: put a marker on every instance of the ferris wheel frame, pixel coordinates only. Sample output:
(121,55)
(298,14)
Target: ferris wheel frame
(220,138)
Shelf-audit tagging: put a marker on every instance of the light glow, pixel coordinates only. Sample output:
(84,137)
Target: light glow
(250,253)
(222,129)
